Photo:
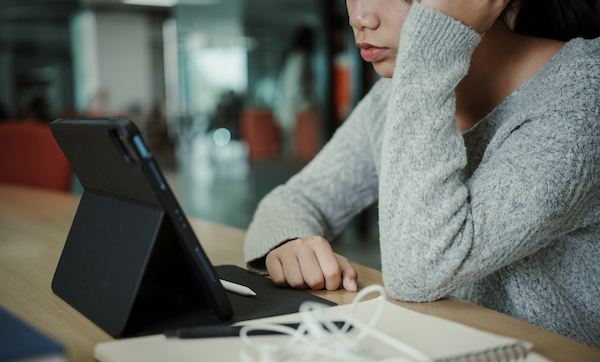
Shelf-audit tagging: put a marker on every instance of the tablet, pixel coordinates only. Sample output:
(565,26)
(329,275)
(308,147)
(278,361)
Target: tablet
(131,259)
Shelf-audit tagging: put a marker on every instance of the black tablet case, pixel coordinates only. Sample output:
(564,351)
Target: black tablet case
(122,265)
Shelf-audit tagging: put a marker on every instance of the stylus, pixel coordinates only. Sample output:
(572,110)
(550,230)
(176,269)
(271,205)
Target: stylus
(237,288)
(224,331)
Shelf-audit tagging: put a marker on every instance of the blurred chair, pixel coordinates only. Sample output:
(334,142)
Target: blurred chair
(258,128)
(29,155)
(307,135)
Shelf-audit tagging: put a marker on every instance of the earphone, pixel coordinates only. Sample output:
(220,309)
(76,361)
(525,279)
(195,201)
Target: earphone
(317,335)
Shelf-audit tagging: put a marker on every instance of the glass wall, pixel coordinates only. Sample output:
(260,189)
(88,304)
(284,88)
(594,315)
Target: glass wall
(36,79)
(248,70)
(261,86)
(232,96)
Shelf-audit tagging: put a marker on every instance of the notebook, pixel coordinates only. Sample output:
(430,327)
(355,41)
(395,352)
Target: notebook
(440,339)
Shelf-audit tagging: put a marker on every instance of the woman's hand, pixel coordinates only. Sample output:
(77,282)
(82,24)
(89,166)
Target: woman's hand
(477,14)
(310,263)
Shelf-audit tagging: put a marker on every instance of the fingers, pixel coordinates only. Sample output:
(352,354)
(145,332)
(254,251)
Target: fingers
(285,267)
(331,272)
(310,263)
(349,274)
(295,265)
(275,269)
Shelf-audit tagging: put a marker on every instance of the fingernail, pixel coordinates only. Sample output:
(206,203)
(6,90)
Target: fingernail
(352,287)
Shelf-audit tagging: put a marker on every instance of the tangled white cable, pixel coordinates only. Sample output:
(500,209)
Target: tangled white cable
(317,335)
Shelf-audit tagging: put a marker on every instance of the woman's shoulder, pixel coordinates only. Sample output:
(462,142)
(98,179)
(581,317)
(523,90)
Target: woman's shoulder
(573,75)
(568,90)
(581,55)
(559,102)
(586,48)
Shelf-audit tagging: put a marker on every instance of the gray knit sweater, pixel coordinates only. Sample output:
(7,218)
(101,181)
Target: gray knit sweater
(506,215)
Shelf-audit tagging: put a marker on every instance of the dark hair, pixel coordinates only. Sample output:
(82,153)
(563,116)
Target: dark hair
(557,19)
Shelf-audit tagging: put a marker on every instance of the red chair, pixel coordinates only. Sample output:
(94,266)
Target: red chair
(258,128)
(29,155)
(307,135)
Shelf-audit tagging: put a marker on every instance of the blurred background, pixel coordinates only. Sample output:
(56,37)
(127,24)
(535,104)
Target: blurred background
(233,97)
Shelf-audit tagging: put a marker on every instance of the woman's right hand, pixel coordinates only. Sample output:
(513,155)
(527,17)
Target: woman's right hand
(310,263)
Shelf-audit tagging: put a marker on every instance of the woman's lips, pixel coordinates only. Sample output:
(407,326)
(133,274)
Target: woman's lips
(371,53)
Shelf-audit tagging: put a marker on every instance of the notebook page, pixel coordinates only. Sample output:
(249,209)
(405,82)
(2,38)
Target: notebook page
(436,337)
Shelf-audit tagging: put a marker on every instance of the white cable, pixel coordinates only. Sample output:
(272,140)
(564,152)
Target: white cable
(317,335)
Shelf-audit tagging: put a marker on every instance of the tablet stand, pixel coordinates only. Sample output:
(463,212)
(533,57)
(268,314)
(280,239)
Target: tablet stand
(121,268)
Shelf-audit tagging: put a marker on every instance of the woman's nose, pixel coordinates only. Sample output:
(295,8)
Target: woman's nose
(363,14)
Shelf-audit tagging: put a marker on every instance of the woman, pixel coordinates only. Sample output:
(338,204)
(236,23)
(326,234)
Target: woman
(481,145)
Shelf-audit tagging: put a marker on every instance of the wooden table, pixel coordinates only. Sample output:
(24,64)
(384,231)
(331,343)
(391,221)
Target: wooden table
(34,225)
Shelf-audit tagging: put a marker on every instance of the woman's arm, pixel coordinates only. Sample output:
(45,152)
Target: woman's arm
(438,233)
(320,200)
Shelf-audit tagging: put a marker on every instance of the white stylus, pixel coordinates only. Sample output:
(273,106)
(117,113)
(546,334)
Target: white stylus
(237,289)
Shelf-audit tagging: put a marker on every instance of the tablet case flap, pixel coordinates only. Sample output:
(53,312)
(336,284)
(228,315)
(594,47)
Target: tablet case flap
(151,313)
(270,299)
(105,257)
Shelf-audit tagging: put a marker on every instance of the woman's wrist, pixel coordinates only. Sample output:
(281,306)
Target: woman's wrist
(430,36)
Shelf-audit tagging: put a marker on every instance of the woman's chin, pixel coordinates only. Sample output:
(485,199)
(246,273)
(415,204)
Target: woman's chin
(383,69)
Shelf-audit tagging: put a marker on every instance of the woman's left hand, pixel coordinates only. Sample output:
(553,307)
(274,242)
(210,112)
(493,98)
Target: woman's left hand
(477,14)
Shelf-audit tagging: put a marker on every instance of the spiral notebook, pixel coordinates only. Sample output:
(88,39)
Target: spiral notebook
(440,339)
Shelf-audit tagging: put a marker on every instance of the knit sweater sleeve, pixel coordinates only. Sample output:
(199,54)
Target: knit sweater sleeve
(320,200)
(439,233)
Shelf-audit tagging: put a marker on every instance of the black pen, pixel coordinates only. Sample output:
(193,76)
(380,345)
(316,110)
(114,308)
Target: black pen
(225,331)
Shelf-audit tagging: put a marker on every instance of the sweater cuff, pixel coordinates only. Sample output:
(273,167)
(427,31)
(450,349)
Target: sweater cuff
(433,37)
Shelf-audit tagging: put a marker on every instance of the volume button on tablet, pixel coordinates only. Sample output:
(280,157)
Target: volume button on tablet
(139,144)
